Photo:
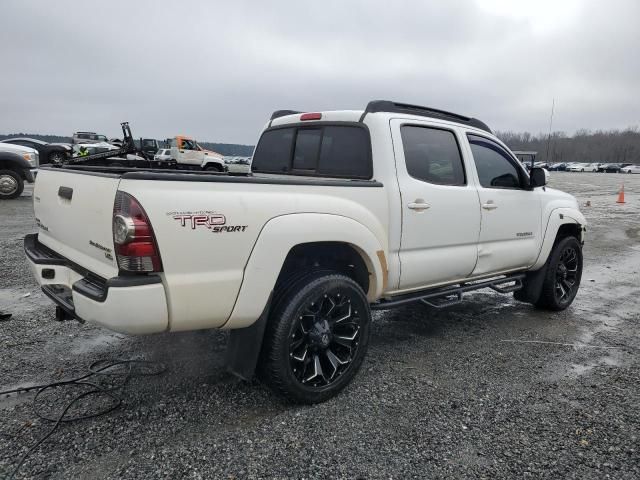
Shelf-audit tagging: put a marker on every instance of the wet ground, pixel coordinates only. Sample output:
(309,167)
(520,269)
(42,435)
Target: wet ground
(490,388)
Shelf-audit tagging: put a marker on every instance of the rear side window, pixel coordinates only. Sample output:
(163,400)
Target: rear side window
(432,155)
(322,150)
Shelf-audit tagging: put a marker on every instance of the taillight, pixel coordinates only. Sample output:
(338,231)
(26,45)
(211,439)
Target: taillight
(136,246)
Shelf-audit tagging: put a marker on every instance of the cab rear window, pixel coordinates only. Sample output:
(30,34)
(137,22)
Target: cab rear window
(325,150)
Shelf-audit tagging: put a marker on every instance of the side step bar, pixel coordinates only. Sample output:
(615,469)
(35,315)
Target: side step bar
(442,297)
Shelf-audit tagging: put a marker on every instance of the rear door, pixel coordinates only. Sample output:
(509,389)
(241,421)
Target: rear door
(440,209)
(511,213)
(74,213)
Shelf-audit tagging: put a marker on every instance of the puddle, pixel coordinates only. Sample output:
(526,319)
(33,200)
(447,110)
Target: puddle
(577,369)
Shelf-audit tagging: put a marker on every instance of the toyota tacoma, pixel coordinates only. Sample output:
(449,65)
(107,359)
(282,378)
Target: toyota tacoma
(343,212)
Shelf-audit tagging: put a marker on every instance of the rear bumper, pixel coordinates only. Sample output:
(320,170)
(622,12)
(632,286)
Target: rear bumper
(127,304)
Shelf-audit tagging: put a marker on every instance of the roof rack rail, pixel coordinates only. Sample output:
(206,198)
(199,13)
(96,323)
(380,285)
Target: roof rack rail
(282,113)
(396,107)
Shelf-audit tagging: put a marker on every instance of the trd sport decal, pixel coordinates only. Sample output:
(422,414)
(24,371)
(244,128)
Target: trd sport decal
(216,222)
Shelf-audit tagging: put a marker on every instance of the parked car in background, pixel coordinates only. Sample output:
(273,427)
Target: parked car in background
(48,152)
(577,167)
(88,137)
(17,165)
(91,148)
(557,167)
(610,167)
(163,154)
(630,169)
(591,167)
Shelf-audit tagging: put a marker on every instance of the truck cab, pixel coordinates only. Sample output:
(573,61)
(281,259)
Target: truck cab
(188,154)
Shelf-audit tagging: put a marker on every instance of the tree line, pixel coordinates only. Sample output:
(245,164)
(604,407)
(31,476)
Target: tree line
(600,146)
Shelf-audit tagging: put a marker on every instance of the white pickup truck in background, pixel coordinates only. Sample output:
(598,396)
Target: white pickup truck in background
(344,212)
(190,155)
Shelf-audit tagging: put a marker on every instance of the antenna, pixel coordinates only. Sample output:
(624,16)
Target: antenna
(553,104)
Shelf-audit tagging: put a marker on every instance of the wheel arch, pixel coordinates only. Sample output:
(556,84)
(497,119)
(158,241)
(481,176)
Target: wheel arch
(562,222)
(290,242)
(13,161)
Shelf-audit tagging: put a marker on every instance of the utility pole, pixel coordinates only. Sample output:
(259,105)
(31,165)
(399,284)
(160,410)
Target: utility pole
(553,104)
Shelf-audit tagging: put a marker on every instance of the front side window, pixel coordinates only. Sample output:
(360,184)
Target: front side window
(432,155)
(495,168)
(188,145)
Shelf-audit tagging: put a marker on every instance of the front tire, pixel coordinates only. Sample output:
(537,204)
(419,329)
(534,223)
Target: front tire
(563,276)
(213,168)
(56,158)
(11,184)
(317,338)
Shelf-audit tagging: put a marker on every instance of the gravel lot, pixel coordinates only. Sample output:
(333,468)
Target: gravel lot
(460,393)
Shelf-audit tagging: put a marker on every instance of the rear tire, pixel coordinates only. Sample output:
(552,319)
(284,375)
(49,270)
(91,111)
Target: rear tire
(11,184)
(563,276)
(316,338)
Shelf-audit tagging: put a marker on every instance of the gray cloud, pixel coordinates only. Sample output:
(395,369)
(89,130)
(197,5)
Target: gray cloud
(217,70)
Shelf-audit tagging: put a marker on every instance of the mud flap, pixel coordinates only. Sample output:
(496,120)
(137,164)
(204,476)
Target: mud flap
(244,345)
(531,286)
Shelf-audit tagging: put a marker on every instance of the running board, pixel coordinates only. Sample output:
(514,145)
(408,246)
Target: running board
(442,297)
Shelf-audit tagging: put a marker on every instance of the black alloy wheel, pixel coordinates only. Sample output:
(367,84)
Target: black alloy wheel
(564,272)
(567,274)
(325,339)
(316,338)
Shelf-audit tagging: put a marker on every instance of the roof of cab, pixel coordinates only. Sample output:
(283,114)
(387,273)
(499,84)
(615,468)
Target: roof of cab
(280,117)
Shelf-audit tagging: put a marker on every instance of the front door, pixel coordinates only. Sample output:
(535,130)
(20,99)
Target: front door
(439,205)
(510,237)
(188,152)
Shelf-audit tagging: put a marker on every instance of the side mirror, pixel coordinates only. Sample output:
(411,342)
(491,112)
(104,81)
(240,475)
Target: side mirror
(537,177)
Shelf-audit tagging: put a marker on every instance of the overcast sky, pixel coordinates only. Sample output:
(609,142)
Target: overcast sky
(216,70)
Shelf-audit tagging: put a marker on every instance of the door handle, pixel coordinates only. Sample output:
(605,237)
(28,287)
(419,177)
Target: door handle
(65,192)
(418,205)
(489,205)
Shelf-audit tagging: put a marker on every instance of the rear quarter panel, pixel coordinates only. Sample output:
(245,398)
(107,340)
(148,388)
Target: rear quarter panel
(204,263)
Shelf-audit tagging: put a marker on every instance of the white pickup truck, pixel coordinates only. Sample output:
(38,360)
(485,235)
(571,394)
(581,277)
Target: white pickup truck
(191,156)
(343,212)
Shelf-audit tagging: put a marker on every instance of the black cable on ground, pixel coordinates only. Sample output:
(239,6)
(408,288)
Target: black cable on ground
(96,369)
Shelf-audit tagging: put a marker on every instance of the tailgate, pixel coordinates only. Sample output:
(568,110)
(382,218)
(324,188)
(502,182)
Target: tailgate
(74,213)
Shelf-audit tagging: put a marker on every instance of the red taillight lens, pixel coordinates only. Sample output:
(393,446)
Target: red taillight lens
(136,246)
(310,116)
